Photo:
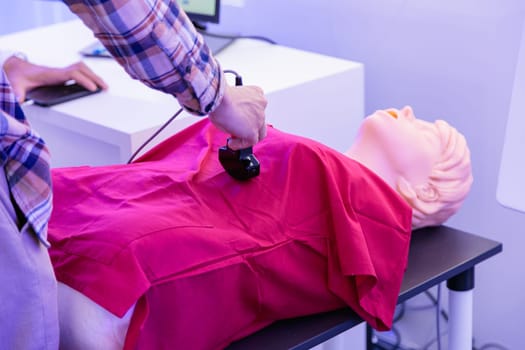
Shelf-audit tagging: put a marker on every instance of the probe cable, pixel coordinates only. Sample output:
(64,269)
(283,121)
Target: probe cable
(238,81)
(154,135)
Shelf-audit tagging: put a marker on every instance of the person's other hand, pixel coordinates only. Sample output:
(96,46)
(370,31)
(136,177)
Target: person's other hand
(25,76)
(241,114)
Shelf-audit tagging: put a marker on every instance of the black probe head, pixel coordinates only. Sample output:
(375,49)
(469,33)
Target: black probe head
(239,164)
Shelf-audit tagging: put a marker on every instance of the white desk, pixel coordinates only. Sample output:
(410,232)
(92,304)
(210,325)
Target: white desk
(309,94)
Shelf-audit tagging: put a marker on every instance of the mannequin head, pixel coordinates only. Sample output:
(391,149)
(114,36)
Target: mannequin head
(428,164)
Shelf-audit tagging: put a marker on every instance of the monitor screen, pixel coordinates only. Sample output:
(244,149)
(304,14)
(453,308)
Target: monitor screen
(201,10)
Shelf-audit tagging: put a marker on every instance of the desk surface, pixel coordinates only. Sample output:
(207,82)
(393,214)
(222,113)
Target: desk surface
(436,254)
(114,123)
(126,103)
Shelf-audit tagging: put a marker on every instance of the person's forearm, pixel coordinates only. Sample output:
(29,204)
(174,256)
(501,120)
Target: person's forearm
(158,45)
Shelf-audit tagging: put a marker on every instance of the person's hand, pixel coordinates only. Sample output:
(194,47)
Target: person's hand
(25,76)
(241,114)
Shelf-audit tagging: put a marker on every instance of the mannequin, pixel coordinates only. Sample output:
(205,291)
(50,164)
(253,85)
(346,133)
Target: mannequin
(433,173)
(178,252)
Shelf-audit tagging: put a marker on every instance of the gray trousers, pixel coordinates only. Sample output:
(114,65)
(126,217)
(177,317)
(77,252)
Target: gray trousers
(28,288)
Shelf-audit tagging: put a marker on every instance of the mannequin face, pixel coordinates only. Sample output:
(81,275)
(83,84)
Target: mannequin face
(394,143)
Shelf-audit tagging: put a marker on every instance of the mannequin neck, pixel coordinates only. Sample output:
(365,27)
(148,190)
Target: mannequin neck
(374,160)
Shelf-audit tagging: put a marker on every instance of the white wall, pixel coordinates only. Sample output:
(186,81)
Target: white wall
(448,59)
(24,14)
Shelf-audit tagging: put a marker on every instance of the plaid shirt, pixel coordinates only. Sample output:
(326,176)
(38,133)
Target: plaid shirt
(25,160)
(156,43)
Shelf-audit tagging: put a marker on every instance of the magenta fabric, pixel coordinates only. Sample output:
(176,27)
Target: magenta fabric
(208,259)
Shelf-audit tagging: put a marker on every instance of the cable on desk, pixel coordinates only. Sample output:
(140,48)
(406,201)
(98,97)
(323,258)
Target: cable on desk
(492,346)
(225,36)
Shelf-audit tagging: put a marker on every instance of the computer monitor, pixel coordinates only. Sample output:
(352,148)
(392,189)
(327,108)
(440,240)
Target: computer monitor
(201,11)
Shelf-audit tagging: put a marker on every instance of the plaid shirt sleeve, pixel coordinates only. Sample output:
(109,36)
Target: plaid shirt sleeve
(25,160)
(155,42)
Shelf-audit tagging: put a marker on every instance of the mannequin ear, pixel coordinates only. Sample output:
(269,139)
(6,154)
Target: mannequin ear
(424,192)
(427,193)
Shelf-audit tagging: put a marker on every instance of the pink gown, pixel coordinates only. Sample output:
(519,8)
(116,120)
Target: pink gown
(208,260)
